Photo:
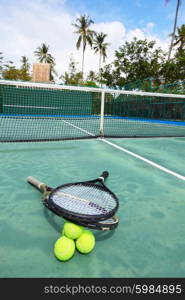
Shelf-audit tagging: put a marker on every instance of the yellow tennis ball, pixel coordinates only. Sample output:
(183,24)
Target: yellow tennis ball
(72,231)
(64,248)
(86,242)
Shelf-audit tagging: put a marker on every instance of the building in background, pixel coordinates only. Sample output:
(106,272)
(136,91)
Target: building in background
(41,72)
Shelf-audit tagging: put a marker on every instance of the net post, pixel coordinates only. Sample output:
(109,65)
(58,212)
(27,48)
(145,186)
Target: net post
(102,113)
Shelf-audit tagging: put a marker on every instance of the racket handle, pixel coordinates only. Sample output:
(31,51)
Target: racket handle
(35,182)
(104,175)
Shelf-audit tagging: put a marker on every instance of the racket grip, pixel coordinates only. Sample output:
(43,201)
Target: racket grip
(104,175)
(35,182)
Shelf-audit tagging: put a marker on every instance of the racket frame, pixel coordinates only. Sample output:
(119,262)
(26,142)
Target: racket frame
(105,225)
(48,193)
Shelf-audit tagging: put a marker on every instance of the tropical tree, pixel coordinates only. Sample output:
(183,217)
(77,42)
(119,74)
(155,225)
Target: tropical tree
(100,47)
(170,71)
(43,55)
(180,37)
(174,27)
(73,76)
(25,63)
(12,73)
(85,38)
(112,76)
(92,76)
(139,59)
(135,60)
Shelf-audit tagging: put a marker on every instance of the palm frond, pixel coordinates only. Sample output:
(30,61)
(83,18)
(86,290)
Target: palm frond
(43,56)
(79,42)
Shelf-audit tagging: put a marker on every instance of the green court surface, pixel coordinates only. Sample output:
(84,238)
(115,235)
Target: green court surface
(149,241)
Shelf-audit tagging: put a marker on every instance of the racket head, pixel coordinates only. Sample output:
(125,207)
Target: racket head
(88,209)
(84,201)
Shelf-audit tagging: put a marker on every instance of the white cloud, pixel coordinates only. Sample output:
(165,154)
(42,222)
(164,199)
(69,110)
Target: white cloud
(25,27)
(114,30)
(138,33)
(147,32)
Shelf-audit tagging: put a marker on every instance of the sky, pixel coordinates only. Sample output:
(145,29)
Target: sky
(25,25)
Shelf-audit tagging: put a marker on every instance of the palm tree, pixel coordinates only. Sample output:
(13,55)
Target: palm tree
(174,29)
(85,34)
(25,63)
(44,57)
(180,37)
(100,46)
(92,76)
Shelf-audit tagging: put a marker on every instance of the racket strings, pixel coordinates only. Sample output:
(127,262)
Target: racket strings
(84,199)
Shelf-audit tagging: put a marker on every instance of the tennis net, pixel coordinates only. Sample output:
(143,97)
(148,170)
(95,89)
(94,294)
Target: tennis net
(43,112)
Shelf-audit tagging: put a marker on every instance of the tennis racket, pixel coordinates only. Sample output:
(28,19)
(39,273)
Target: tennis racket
(105,225)
(85,202)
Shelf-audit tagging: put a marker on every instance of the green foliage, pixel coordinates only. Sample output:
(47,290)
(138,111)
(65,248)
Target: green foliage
(139,64)
(138,59)
(174,69)
(43,55)
(25,64)
(12,73)
(72,80)
(73,76)
(90,84)
(170,71)
(99,44)
(92,76)
(180,37)
(82,29)
(135,60)
(111,77)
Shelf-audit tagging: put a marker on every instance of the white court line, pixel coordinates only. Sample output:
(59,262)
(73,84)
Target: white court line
(145,160)
(131,153)
(81,129)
